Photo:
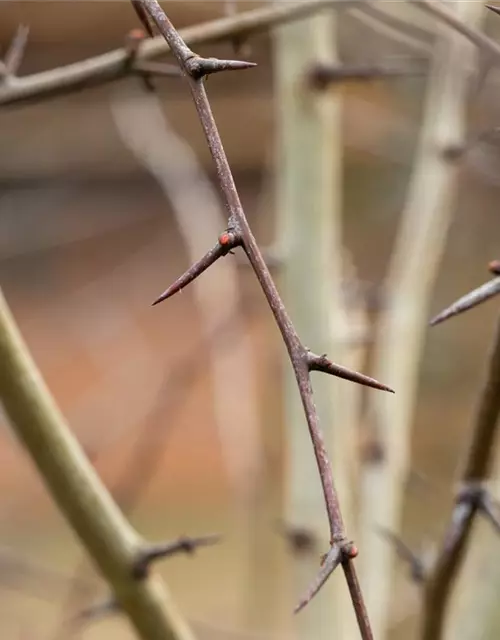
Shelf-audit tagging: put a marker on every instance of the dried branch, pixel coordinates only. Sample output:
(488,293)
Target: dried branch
(193,67)
(469,501)
(114,64)
(78,491)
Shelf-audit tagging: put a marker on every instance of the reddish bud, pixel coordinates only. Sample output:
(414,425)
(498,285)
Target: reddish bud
(225,239)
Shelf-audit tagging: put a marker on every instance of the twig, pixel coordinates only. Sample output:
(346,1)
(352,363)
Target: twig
(468,503)
(113,65)
(78,491)
(195,68)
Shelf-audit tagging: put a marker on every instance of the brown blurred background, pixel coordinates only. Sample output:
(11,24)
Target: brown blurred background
(87,241)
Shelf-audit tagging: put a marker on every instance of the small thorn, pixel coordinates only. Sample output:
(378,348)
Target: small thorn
(15,53)
(468,301)
(184,544)
(328,565)
(492,7)
(227,241)
(491,510)
(199,67)
(322,363)
(417,568)
(143,17)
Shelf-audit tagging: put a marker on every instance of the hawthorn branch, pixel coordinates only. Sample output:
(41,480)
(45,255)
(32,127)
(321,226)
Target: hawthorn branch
(194,68)
(469,501)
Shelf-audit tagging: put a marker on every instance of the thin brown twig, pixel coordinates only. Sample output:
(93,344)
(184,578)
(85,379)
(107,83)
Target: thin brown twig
(480,457)
(195,69)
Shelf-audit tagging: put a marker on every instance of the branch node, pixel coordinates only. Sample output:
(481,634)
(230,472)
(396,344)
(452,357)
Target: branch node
(323,364)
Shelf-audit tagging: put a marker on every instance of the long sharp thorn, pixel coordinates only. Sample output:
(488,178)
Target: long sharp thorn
(331,561)
(199,67)
(492,7)
(322,363)
(227,241)
(469,300)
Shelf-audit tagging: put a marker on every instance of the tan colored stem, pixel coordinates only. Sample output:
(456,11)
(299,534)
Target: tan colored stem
(309,195)
(78,491)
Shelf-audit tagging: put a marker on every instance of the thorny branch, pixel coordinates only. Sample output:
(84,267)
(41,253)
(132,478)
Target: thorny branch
(238,233)
(471,500)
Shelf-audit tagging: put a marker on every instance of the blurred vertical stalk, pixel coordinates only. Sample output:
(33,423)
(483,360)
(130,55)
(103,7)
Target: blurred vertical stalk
(308,198)
(412,272)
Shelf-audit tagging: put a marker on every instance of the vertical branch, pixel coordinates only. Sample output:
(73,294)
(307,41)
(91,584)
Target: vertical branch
(239,234)
(309,201)
(80,495)
(480,458)
(412,272)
